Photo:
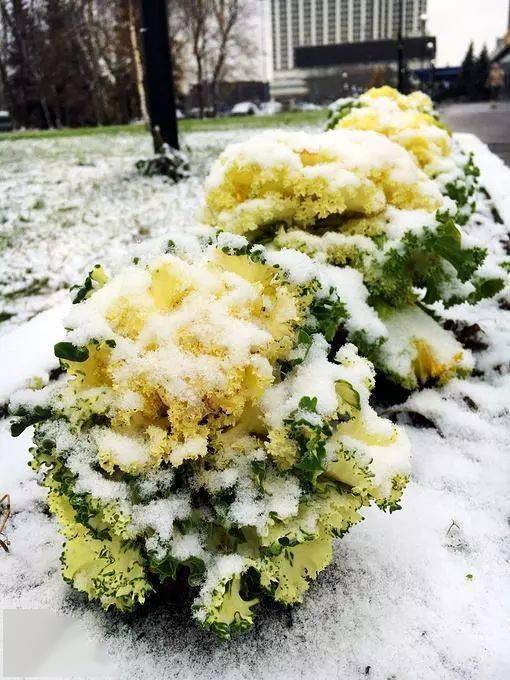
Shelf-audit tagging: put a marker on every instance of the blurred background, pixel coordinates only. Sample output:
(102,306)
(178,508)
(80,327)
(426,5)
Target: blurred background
(70,63)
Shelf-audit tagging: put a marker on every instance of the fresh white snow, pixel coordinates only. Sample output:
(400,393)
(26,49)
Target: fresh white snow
(67,203)
(421,594)
(28,351)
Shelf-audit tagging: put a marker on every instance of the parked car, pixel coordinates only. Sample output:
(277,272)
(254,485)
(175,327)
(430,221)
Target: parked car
(269,108)
(5,121)
(244,109)
(305,106)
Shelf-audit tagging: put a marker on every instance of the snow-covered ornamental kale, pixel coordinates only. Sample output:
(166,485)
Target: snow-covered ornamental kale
(357,199)
(202,426)
(410,120)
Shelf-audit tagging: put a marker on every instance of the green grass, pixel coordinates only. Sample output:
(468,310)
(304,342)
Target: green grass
(72,132)
(204,125)
(277,120)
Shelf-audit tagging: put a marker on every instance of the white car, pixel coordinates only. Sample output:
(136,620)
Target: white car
(306,106)
(269,108)
(244,109)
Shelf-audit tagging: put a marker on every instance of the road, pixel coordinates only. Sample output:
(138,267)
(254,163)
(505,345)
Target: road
(492,125)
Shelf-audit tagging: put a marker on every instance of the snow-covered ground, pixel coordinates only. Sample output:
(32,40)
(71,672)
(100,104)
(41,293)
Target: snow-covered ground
(421,594)
(66,202)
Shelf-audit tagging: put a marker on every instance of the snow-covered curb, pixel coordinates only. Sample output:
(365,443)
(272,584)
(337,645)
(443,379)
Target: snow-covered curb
(27,351)
(494,173)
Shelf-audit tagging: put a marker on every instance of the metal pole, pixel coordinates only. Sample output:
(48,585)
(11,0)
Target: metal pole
(400,49)
(158,73)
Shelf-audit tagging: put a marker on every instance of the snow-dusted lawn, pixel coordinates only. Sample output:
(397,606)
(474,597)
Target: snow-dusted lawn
(66,202)
(422,594)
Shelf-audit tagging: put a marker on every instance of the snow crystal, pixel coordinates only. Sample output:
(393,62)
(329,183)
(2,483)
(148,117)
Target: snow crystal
(192,448)
(122,449)
(160,515)
(384,462)
(352,291)
(231,241)
(189,545)
(156,481)
(250,508)
(33,397)
(129,401)
(348,283)
(215,480)
(89,480)
(315,377)
(222,569)
(344,154)
(398,222)
(299,267)
(410,325)
(30,351)
(70,203)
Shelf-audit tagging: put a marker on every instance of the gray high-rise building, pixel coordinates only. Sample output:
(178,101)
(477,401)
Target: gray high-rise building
(318,50)
(298,23)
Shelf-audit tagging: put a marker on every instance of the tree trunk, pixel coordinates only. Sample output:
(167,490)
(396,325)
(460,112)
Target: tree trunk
(137,60)
(226,18)
(46,112)
(200,78)
(200,92)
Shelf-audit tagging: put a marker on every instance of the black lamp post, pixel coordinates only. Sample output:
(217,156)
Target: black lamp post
(400,48)
(158,73)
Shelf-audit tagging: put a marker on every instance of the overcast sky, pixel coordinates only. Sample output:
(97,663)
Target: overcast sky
(456,22)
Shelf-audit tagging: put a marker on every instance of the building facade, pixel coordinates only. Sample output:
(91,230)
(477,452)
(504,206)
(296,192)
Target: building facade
(300,23)
(317,23)
(501,55)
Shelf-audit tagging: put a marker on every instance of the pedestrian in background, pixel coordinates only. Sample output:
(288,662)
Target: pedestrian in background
(495,82)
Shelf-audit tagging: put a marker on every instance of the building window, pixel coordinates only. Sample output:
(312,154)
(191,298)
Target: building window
(295,24)
(331,21)
(409,22)
(369,20)
(356,20)
(344,20)
(283,35)
(382,19)
(392,13)
(275,36)
(319,22)
(307,21)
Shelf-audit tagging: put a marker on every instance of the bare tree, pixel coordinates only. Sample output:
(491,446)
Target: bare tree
(77,62)
(218,37)
(137,60)
(191,19)
(4,79)
(20,25)
(226,15)
(68,62)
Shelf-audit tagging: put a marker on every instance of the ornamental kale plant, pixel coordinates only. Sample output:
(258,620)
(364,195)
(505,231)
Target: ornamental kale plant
(384,193)
(410,120)
(204,427)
